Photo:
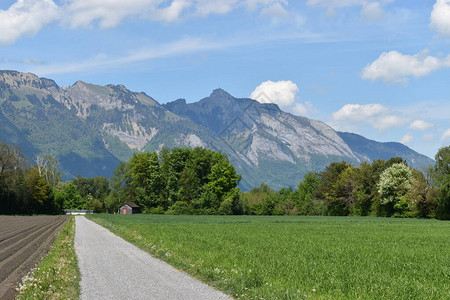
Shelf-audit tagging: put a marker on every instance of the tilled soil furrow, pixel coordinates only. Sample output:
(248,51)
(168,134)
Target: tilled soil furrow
(14,245)
(12,225)
(13,268)
(15,235)
(7,229)
(8,223)
(16,258)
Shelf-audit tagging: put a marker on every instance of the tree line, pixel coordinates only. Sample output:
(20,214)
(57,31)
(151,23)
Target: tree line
(179,181)
(201,181)
(381,188)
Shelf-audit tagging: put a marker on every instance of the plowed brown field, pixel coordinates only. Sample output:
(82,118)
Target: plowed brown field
(23,240)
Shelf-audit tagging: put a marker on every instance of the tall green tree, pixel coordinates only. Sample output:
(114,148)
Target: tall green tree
(440,174)
(97,187)
(146,177)
(12,166)
(68,196)
(94,191)
(306,194)
(40,194)
(122,190)
(422,196)
(222,179)
(336,205)
(174,164)
(341,198)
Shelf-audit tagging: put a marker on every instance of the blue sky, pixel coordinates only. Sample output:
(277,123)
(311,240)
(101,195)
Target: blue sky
(380,68)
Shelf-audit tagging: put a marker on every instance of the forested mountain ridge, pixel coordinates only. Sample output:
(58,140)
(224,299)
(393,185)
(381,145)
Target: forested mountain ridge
(38,122)
(89,128)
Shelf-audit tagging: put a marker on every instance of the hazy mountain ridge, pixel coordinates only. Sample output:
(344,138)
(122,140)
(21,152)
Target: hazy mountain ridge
(90,128)
(368,150)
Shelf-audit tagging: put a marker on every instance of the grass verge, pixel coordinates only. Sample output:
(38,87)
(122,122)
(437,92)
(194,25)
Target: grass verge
(57,275)
(251,257)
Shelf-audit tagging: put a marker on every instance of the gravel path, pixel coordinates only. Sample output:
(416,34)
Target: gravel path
(112,268)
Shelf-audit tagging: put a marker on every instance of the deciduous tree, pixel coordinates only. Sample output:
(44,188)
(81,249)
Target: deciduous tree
(395,182)
(441,180)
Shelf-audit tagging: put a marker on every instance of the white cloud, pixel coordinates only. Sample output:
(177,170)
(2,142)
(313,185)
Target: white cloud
(300,109)
(375,115)
(25,17)
(82,13)
(173,12)
(110,13)
(390,121)
(180,47)
(221,7)
(440,17)
(446,135)
(253,5)
(335,3)
(393,66)
(272,8)
(283,93)
(420,125)
(360,113)
(275,10)
(344,3)
(303,109)
(372,11)
(184,46)
(406,139)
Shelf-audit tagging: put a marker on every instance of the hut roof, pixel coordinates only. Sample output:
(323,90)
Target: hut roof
(131,204)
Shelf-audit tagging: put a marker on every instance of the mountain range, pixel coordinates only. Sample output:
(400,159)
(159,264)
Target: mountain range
(90,128)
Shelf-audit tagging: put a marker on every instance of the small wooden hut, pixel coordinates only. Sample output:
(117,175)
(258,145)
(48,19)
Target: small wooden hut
(129,209)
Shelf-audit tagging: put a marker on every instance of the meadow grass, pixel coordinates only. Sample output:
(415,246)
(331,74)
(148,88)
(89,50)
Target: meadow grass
(251,257)
(57,276)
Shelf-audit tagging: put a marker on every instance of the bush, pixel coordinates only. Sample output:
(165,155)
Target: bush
(180,208)
(156,210)
(225,207)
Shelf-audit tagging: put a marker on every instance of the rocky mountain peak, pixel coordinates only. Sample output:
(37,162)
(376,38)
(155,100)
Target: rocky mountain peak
(79,83)
(49,84)
(17,80)
(176,106)
(220,93)
(118,87)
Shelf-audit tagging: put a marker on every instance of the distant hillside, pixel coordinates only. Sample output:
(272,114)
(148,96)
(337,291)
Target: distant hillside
(370,150)
(39,123)
(90,128)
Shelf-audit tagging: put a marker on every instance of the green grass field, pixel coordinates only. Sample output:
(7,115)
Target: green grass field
(252,257)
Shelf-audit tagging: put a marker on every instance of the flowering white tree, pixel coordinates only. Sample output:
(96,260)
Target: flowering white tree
(394,183)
